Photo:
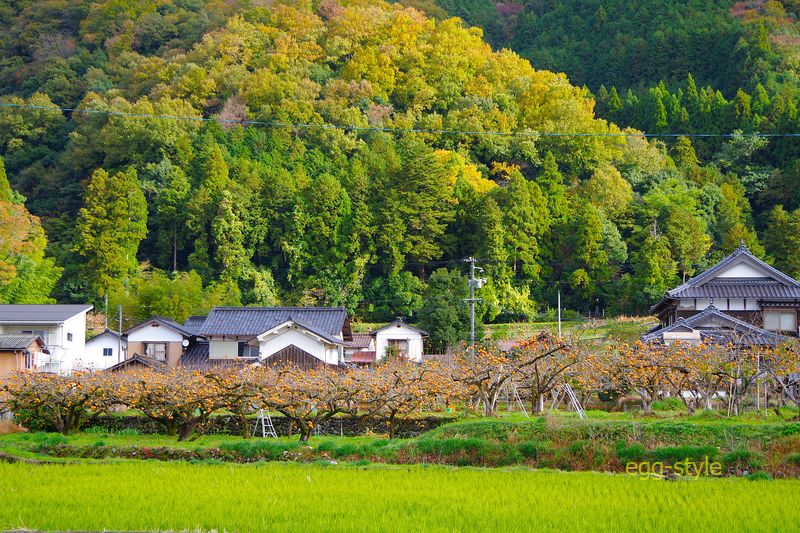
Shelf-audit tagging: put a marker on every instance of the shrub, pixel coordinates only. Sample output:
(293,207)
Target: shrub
(759,476)
(260,449)
(742,459)
(793,458)
(680,453)
(532,450)
(444,447)
(326,446)
(630,454)
(345,450)
(668,404)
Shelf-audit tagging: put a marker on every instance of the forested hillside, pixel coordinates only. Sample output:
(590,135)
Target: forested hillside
(186,153)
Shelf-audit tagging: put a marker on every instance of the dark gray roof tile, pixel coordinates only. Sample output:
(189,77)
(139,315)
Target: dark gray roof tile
(253,321)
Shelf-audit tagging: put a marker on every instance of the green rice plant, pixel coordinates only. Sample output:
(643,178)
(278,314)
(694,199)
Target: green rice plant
(204,497)
(630,454)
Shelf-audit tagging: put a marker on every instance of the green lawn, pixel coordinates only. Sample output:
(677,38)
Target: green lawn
(151,496)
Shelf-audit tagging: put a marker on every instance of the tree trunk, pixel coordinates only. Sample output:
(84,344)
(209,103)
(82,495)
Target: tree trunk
(244,425)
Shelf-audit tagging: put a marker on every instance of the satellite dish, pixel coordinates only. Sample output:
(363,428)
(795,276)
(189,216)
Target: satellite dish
(185,343)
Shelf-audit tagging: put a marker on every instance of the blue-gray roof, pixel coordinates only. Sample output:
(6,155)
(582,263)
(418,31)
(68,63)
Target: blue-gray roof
(195,323)
(40,313)
(714,325)
(775,285)
(329,322)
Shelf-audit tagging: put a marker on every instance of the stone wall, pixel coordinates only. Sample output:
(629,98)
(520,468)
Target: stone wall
(228,425)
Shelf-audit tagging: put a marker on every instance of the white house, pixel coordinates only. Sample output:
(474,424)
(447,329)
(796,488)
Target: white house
(161,339)
(61,327)
(305,336)
(399,339)
(104,350)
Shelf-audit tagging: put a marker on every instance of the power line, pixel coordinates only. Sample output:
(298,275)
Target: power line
(377,129)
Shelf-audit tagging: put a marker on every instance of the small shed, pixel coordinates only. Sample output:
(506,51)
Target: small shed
(19,352)
(399,339)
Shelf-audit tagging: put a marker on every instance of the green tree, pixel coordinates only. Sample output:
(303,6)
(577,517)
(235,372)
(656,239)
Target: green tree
(110,227)
(444,314)
(782,240)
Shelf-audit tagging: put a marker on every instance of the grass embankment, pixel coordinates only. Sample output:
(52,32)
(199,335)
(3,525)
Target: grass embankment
(149,496)
(742,446)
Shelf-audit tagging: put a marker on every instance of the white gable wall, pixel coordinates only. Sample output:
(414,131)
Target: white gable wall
(157,333)
(399,332)
(93,358)
(743,270)
(297,336)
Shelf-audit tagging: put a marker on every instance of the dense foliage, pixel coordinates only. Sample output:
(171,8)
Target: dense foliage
(332,198)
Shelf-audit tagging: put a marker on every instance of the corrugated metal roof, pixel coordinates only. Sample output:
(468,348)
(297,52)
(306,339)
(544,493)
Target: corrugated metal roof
(253,321)
(12,341)
(40,313)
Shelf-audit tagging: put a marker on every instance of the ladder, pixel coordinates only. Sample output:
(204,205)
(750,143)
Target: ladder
(566,389)
(518,399)
(265,421)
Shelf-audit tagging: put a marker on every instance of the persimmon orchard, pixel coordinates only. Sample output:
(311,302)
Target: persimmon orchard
(183,401)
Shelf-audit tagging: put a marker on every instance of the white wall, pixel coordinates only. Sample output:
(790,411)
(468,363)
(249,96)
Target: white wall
(413,337)
(219,349)
(149,333)
(742,270)
(297,336)
(63,352)
(93,357)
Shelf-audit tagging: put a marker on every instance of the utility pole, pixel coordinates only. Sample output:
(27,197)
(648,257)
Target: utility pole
(559,314)
(474,283)
(119,337)
(105,320)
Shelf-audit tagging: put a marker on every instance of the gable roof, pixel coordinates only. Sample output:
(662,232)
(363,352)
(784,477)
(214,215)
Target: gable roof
(712,324)
(360,341)
(40,313)
(400,324)
(195,323)
(14,341)
(774,285)
(107,331)
(139,360)
(321,334)
(253,321)
(167,322)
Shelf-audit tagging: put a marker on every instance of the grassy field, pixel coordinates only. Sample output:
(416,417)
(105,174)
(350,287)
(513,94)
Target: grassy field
(150,496)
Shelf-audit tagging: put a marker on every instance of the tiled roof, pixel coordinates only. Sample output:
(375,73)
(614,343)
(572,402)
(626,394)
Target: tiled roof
(253,321)
(13,341)
(195,323)
(712,324)
(180,328)
(762,289)
(399,323)
(775,284)
(143,360)
(360,341)
(40,313)
(197,358)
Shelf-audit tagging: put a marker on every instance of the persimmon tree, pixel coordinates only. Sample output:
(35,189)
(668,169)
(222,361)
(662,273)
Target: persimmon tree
(64,403)
(395,388)
(547,366)
(180,400)
(639,367)
(488,370)
(308,397)
(241,391)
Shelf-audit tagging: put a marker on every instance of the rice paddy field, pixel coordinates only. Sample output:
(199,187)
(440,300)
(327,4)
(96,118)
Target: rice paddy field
(153,496)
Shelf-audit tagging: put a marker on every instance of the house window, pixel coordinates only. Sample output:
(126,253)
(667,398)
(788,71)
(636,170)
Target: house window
(156,350)
(246,350)
(30,359)
(780,320)
(69,337)
(108,352)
